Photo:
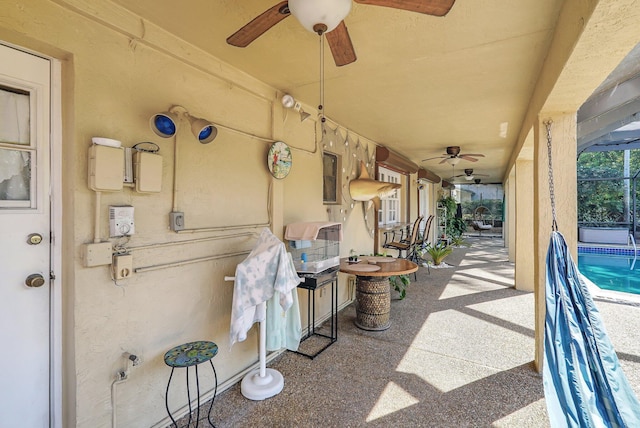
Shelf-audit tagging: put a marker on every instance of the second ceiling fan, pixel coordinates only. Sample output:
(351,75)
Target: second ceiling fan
(327,17)
(468,175)
(453,156)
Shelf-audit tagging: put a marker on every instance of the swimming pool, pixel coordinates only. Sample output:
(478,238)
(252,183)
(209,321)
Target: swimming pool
(611,272)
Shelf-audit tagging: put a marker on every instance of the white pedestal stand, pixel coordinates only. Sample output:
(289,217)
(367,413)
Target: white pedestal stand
(261,383)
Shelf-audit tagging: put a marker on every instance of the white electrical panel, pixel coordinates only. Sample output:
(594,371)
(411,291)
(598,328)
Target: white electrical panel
(148,172)
(121,220)
(106,165)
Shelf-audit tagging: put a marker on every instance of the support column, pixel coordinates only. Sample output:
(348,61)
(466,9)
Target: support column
(563,153)
(509,229)
(524,272)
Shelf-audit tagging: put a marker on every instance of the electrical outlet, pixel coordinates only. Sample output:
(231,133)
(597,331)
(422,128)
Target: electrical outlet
(122,266)
(176,220)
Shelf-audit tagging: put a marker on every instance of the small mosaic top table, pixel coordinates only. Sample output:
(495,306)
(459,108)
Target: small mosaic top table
(190,355)
(373,298)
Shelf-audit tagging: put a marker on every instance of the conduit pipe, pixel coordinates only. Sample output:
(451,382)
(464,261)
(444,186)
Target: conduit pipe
(188,261)
(96,226)
(174,204)
(188,241)
(222,228)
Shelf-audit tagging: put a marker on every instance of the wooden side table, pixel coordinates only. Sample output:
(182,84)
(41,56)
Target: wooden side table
(373,297)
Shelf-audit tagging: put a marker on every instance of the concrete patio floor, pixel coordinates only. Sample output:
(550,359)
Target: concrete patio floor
(458,353)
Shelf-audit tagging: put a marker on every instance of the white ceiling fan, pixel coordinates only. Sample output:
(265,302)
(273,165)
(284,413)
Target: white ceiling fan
(468,175)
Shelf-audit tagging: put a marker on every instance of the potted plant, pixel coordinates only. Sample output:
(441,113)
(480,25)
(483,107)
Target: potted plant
(438,252)
(454,226)
(458,241)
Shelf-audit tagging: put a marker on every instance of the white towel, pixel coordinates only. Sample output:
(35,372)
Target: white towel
(268,268)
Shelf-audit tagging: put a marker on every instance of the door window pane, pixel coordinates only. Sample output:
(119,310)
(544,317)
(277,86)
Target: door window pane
(15,178)
(14,117)
(389,206)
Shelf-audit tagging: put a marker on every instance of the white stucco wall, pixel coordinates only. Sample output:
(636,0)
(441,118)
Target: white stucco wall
(115,76)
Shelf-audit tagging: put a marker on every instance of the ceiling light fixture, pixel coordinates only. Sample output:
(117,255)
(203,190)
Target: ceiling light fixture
(320,16)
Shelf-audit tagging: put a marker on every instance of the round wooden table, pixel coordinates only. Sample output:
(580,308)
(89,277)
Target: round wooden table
(373,297)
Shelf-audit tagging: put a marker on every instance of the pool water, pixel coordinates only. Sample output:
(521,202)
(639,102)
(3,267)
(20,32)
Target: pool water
(618,273)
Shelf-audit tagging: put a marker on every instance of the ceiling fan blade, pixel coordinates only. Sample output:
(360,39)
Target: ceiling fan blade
(341,46)
(437,157)
(428,7)
(468,157)
(478,155)
(443,160)
(259,25)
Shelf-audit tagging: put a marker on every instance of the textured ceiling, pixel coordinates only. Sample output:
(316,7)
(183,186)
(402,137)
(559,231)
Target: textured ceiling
(420,83)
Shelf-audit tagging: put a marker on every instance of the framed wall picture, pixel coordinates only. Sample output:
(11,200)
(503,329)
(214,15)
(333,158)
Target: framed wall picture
(331,178)
(279,159)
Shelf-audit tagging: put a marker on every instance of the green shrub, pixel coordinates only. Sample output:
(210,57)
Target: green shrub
(438,252)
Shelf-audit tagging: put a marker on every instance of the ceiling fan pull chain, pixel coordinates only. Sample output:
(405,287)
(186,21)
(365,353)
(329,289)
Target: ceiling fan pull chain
(321,106)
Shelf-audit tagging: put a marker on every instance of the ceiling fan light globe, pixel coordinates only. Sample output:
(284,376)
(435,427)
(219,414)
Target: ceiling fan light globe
(312,12)
(468,177)
(453,161)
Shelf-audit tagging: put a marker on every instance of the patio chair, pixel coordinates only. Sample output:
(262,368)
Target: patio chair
(479,225)
(424,237)
(423,241)
(399,232)
(407,246)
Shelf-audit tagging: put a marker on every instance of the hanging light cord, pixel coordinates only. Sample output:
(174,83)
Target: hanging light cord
(321,106)
(554,224)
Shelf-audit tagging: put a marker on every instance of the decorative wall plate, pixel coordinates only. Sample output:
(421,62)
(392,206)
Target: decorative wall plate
(279,159)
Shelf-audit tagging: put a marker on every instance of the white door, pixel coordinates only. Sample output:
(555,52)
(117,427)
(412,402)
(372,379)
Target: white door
(25,245)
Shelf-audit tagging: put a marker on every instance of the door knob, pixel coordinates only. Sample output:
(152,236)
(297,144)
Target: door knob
(34,239)
(34,280)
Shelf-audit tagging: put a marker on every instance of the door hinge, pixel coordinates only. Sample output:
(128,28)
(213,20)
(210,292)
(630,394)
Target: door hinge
(52,275)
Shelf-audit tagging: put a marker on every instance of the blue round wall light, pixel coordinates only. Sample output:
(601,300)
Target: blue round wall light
(203,130)
(164,124)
